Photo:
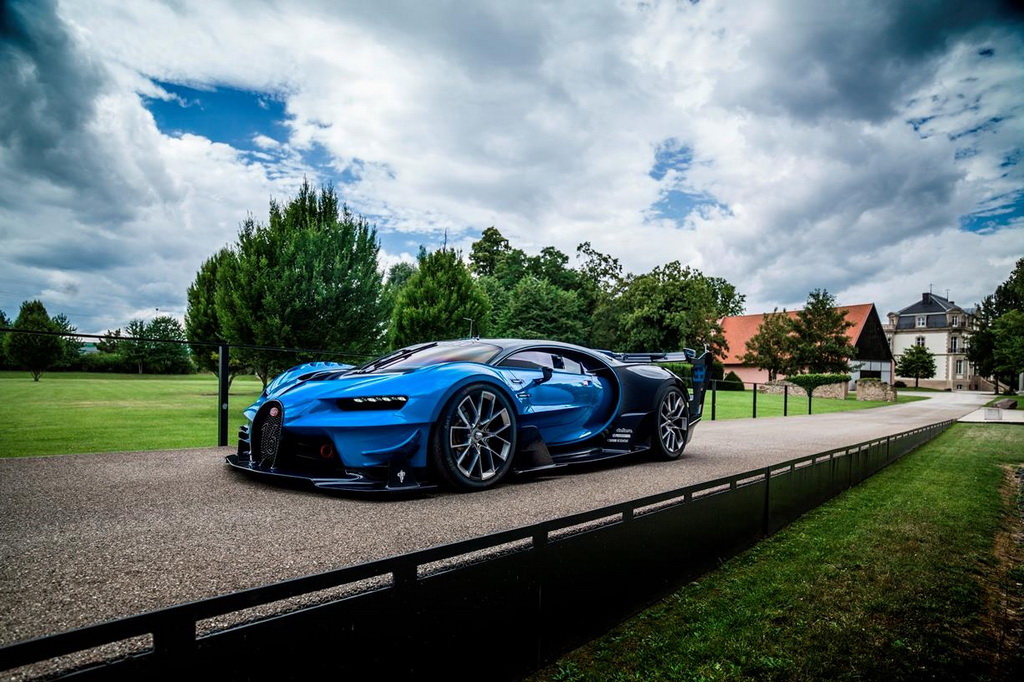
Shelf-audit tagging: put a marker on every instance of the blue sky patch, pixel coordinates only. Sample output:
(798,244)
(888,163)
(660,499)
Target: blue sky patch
(670,155)
(1002,211)
(676,204)
(228,115)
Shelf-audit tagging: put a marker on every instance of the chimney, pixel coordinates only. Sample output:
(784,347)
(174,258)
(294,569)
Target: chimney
(926,297)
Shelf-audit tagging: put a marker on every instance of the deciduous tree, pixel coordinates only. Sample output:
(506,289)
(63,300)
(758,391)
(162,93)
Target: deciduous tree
(674,306)
(1008,332)
(1008,296)
(917,362)
(770,347)
(537,309)
(34,352)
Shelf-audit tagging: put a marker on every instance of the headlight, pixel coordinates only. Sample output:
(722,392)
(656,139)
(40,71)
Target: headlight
(374,402)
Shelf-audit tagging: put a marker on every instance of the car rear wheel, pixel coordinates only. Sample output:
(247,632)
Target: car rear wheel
(669,438)
(475,439)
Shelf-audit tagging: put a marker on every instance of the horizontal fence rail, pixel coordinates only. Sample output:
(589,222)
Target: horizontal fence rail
(494,607)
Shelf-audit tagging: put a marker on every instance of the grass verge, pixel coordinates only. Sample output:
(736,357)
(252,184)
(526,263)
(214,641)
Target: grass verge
(740,404)
(901,578)
(77,412)
(71,412)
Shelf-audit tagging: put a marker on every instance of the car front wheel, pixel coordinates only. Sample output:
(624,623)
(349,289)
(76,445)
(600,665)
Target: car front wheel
(475,439)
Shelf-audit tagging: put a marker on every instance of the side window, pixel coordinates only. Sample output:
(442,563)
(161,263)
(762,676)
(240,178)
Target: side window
(567,364)
(528,359)
(535,359)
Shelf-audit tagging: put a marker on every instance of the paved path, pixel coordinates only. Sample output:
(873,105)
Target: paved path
(87,538)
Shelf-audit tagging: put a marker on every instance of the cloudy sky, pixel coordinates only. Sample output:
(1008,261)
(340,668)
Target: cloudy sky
(871,148)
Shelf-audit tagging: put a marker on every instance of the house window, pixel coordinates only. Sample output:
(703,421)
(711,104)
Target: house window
(919,341)
(959,368)
(954,345)
(954,321)
(922,320)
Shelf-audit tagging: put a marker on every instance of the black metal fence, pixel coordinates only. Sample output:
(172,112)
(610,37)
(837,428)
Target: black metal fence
(491,608)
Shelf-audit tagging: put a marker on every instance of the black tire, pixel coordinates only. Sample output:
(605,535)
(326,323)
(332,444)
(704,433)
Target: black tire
(475,439)
(670,423)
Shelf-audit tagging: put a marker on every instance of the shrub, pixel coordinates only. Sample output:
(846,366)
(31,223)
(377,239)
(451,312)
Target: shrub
(900,384)
(809,382)
(732,382)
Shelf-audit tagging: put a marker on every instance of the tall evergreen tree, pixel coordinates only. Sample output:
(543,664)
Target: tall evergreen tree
(201,321)
(308,279)
(819,341)
(439,301)
(34,352)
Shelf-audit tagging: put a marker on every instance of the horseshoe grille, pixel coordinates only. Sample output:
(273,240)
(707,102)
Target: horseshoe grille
(266,433)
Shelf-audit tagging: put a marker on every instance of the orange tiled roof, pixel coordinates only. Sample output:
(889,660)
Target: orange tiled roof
(740,328)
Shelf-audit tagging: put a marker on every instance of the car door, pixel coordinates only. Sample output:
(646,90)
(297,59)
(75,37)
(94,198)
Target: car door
(559,406)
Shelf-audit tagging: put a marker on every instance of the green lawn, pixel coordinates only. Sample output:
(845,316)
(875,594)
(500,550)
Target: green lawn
(912,575)
(75,412)
(740,404)
(70,412)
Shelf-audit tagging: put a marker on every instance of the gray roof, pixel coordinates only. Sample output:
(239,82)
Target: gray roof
(929,304)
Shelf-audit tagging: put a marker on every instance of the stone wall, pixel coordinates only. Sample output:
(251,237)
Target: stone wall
(873,389)
(835,391)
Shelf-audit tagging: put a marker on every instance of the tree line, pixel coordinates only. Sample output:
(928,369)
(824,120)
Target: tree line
(310,278)
(997,340)
(51,343)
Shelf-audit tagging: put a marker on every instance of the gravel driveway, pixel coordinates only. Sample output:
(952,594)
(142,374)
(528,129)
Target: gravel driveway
(87,538)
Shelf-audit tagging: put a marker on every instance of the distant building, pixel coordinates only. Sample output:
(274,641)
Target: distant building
(873,360)
(943,328)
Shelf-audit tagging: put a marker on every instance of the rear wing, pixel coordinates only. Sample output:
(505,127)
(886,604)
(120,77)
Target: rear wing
(685,355)
(700,373)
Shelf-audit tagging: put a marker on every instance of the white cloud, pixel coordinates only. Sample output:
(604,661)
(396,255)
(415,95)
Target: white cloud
(831,137)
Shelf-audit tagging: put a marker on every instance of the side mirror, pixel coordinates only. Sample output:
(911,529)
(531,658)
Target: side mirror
(545,376)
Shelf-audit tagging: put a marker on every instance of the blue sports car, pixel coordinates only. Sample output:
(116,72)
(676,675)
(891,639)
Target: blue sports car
(464,414)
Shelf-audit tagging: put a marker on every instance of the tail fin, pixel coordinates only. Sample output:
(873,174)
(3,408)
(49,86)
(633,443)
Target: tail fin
(700,377)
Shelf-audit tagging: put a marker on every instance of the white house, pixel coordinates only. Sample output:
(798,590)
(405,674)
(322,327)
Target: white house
(943,328)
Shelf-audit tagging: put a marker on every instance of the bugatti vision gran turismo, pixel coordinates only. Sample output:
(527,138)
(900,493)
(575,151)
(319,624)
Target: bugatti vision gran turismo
(465,414)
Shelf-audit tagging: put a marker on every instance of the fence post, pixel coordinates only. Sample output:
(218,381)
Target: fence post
(714,395)
(809,392)
(222,394)
(755,401)
(785,400)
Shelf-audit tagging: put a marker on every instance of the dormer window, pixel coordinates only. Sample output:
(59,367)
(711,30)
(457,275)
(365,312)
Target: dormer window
(922,320)
(954,321)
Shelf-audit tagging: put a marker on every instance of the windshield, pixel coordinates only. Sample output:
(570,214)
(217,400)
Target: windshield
(432,354)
